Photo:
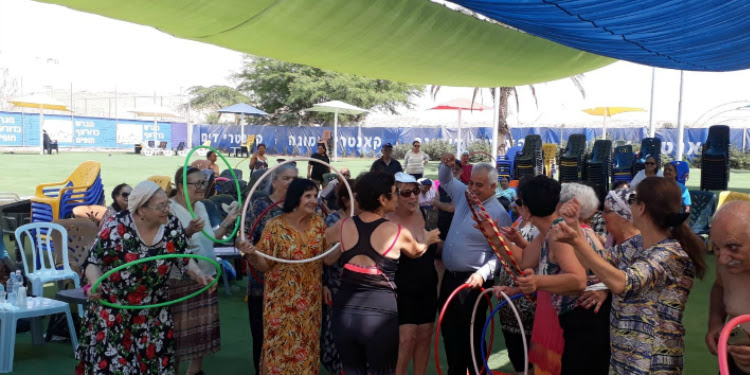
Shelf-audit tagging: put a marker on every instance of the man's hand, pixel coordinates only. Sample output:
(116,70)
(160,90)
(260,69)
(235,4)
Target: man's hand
(448,159)
(527,282)
(712,339)
(475,280)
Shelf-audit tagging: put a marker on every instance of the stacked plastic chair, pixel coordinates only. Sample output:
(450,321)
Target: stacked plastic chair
(570,158)
(715,159)
(598,166)
(529,161)
(702,209)
(504,167)
(622,170)
(649,147)
(549,150)
(56,200)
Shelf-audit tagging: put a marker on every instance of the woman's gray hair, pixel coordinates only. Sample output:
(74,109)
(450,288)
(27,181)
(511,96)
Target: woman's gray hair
(267,186)
(586,197)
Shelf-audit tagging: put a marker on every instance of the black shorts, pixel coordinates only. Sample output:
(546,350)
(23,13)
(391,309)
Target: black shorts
(417,308)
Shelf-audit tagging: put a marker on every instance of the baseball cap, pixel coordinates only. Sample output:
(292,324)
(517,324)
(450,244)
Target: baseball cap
(405,178)
(387,145)
(425,181)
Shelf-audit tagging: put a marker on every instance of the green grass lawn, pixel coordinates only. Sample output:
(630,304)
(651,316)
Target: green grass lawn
(22,172)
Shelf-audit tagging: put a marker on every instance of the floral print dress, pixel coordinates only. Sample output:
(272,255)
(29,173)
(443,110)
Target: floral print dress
(292,298)
(118,341)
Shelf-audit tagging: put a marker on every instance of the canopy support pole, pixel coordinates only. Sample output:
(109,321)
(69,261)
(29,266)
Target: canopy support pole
(680,126)
(495,124)
(604,123)
(41,130)
(458,142)
(651,126)
(336,135)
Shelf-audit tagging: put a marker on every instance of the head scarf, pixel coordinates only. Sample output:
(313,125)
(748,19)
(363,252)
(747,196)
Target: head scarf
(141,194)
(617,201)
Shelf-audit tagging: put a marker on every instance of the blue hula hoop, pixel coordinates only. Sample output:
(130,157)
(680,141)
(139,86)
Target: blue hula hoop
(487,323)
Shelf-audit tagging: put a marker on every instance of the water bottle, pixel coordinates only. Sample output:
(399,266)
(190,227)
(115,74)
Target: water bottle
(11,286)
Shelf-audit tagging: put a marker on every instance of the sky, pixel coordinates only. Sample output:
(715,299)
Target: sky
(49,46)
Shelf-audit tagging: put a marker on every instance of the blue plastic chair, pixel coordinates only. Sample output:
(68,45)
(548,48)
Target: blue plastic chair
(702,208)
(683,170)
(34,309)
(44,268)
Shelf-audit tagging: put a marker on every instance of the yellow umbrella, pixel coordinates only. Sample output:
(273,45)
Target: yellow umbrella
(610,111)
(40,102)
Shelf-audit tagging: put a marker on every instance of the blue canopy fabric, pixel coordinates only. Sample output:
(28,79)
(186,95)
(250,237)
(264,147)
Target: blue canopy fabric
(242,109)
(698,35)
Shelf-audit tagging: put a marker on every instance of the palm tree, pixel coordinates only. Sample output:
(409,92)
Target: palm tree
(503,128)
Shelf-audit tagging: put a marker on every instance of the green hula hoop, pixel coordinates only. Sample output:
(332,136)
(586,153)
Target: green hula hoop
(153,258)
(190,206)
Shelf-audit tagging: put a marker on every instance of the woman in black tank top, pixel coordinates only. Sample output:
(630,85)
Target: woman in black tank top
(365,315)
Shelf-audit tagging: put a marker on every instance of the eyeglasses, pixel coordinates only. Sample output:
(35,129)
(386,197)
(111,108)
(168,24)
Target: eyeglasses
(124,195)
(408,193)
(519,202)
(650,163)
(417,146)
(162,207)
(632,199)
(199,184)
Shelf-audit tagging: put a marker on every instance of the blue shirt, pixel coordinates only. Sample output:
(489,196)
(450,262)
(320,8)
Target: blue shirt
(465,247)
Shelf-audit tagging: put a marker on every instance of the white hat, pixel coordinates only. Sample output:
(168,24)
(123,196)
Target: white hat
(405,178)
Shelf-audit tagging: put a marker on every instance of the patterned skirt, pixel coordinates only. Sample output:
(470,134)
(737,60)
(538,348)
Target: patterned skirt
(197,329)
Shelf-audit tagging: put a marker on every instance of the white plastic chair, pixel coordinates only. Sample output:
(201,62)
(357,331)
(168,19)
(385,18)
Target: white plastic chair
(43,268)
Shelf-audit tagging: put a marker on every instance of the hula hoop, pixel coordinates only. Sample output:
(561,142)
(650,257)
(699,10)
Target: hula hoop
(513,269)
(257,221)
(471,329)
(153,258)
(266,174)
(508,301)
(725,333)
(440,321)
(187,199)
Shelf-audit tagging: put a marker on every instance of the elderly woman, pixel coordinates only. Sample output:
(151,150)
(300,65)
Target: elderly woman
(280,180)
(120,196)
(196,320)
(293,291)
(119,341)
(650,170)
(670,173)
(650,276)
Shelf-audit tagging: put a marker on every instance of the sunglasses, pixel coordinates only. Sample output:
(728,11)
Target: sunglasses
(632,199)
(650,163)
(519,202)
(124,195)
(408,193)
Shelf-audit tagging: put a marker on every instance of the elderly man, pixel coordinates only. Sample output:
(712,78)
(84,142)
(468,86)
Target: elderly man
(328,194)
(386,163)
(466,173)
(730,295)
(468,258)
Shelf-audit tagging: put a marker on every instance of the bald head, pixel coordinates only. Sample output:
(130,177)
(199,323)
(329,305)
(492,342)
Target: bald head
(730,236)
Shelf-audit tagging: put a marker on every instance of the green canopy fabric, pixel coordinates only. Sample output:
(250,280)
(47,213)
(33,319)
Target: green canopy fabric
(413,41)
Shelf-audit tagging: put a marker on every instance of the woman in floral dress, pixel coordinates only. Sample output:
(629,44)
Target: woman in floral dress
(119,341)
(293,292)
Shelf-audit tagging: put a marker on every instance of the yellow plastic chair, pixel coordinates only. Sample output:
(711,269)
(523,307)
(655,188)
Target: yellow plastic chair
(164,182)
(728,196)
(79,182)
(549,150)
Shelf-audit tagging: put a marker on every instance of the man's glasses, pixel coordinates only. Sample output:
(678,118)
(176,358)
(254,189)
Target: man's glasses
(162,207)
(650,163)
(417,146)
(408,193)
(199,184)
(124,195)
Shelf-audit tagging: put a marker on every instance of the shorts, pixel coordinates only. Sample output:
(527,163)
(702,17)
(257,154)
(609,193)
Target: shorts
(418,308)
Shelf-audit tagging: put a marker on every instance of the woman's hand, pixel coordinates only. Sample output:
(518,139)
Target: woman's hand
(570,211)
(528,281)
(508,290)
(93,296)
(203,279)
(432,236)
(593,298)
(327,296)
(513,235)
(561,232)
(195,226)
(246,248)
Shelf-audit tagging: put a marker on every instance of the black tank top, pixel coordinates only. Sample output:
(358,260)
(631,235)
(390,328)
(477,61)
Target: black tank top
(365,287)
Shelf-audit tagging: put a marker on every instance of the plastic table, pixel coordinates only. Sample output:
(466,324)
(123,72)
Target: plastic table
(36,307)
(227,252)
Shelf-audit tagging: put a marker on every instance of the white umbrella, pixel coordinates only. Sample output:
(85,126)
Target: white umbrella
(154,111)
(40,102)
(337,107)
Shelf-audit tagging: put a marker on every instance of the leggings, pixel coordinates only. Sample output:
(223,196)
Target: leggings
(367,340)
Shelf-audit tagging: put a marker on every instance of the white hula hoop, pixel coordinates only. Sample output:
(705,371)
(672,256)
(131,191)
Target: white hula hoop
(266,174)
(520,325)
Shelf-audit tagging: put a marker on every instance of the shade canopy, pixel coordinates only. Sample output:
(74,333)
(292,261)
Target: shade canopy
(701,35)
(243,109)
(415,41)
(461,104)
(154,111)
(610,111)
(337,106)
(39,102)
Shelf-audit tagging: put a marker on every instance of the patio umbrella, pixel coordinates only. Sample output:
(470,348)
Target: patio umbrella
(337,107)
(154,111)
(609,111)
(40,102)
(460,105)
(242,109)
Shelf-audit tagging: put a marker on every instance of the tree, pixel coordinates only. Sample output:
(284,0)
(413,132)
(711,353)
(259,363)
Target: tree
(215,97)
(285,90)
